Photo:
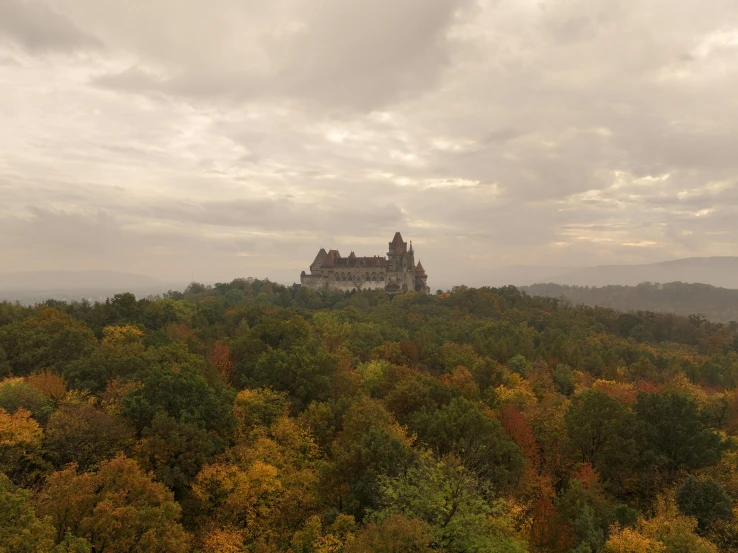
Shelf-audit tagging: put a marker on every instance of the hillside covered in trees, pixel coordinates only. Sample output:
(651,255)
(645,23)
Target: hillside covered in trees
(716,304)
(253,417)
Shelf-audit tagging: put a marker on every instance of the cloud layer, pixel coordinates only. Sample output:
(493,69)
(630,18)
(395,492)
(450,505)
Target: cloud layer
(231,138)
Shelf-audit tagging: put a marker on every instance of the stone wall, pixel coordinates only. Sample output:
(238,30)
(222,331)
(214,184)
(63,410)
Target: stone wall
(317,282)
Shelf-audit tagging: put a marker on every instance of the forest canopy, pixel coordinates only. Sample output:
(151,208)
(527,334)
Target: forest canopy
(254,417)
(714,303)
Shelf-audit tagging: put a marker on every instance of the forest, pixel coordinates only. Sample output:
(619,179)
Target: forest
(253,417)
(717,304)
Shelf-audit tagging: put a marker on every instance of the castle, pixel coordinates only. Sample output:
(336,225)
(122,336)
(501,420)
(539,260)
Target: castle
(395,273)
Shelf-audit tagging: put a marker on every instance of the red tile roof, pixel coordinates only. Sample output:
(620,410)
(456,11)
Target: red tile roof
(331,258)
(375,261)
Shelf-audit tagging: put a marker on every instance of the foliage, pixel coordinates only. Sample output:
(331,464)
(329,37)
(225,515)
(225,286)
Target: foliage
(175,452)
(461,428)
(683,298)
(394,534)
(677,437)
(21,531)
(16,393)
(451,501)
(78,432)
(118,509)
(288,420)
(705,500)
(183,394)
(20,440)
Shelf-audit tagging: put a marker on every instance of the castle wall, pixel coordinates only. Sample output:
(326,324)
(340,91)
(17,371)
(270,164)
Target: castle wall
(317,282)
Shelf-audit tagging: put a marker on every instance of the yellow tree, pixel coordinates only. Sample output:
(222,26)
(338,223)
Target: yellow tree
(119,509)
(262,490)
(675,531)
(51,384)
(629,540)
(20,438)
(20,529)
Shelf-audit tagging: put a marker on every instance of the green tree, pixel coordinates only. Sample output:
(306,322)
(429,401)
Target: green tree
(304,372)
(21,531)
(706,500)
(78,432)
(563,377)
(16,393)
(370,445)
(600,429)
(451,500)
(183,394)
(674,434)
(48,339)
(463,429)
(176,451)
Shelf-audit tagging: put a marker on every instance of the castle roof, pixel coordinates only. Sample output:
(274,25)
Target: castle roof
(398,245)
(319,258)
(355,262)
(330,258)
(419,270)
(393,287)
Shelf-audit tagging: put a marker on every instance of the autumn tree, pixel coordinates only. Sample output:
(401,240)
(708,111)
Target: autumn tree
(20,440)
(16,393)
(48,339)
(51,384)
(220,358)
(118,509)
(79,432)
(395,534)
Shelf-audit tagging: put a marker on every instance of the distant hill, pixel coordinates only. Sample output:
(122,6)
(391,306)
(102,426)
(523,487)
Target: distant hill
(51,280)
(37,286)
(717,271)
(717,304)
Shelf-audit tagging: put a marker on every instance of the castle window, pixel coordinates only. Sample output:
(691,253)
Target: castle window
(349,277)
(366,276)
(374,276)
(343,276)
(381,277)
(338,277)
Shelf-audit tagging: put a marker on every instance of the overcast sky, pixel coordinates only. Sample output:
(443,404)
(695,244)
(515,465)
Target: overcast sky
(227,138)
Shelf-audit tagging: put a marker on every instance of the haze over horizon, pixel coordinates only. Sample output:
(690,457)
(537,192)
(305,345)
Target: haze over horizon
(228,138)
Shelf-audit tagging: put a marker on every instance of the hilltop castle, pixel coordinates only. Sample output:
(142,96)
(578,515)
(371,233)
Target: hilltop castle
(394,273)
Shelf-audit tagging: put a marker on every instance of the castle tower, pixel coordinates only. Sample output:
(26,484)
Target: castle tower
(421,279)
(400,264)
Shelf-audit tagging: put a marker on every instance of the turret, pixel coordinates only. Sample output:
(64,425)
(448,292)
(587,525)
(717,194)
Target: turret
(421,279)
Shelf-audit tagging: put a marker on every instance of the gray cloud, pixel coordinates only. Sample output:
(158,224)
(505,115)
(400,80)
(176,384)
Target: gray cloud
(335,54)
(35,26)
(242,136)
